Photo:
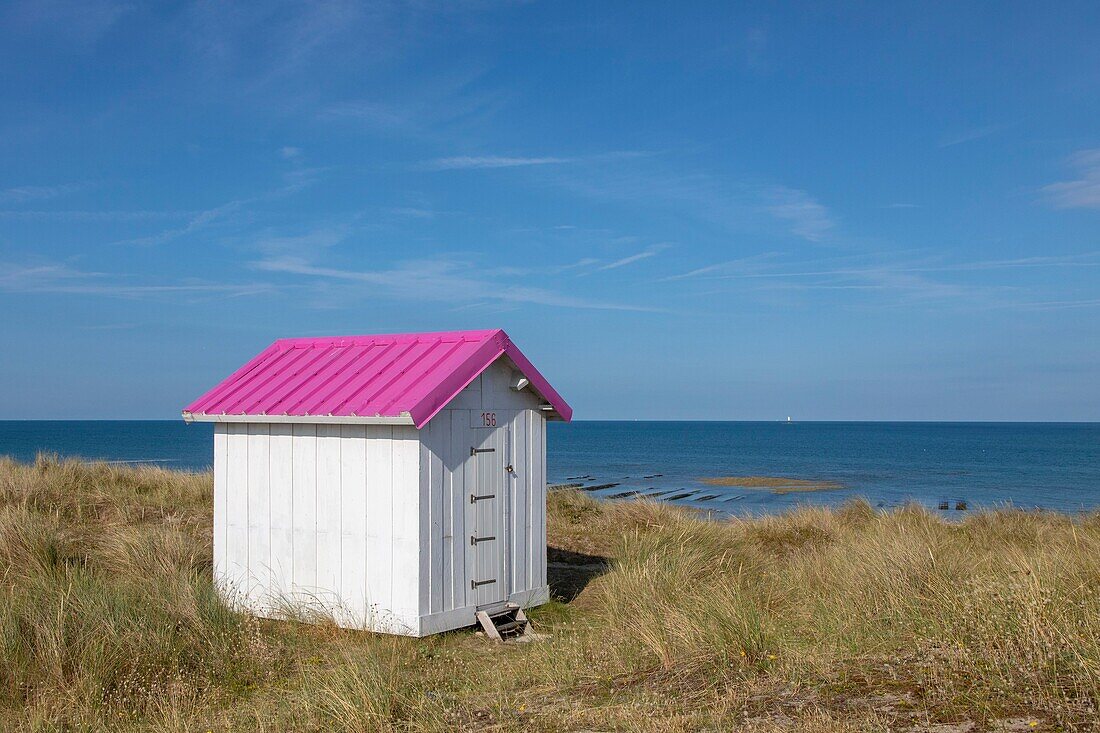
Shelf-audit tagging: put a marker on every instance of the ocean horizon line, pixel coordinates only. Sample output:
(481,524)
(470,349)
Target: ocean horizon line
(742,421)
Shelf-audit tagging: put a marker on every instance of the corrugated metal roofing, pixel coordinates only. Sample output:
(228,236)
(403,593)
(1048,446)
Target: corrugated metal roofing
(397,375)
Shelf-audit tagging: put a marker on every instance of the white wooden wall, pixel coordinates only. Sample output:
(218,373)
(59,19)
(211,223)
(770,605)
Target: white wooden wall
(319,518)
(445,489)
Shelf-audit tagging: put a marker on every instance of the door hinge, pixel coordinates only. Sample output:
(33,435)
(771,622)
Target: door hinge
(475,498)
(475,540)
(475,583)
(475,451)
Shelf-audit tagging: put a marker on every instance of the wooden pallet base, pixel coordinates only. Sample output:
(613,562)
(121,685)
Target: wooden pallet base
(506,624)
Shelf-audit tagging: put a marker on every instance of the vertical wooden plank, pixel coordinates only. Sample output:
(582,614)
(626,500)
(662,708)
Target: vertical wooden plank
(404,583)
(328,514)
(436,490)
(532,496)
(425,544)
(353,528)
(521,516)
(282,513)
(502,485)
(485,511)
(490,514)
(259,516)
(538,501)
(305,512)
(221,491)
(457,456)
(441,445)
(502,547)
(469,398)
(379,462)
(236,513)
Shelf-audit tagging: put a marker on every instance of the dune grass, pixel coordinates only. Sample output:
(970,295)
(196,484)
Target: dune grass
(815,620)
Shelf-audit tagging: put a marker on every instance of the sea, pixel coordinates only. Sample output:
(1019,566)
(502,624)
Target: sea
(951,468)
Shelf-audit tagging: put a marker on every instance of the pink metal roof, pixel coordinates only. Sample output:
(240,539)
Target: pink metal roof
(366,376)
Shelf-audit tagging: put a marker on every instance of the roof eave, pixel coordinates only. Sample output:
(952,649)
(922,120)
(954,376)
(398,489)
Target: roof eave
(538,382)
(402,419)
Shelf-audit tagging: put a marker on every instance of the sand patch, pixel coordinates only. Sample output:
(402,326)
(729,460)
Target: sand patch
(775,484)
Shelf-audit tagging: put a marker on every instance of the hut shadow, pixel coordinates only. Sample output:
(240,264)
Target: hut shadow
(568,572)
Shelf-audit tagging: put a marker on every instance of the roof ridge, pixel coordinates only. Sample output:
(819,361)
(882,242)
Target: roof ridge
(484,333)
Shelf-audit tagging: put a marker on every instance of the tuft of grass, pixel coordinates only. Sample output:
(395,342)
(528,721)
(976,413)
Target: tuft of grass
(844,619)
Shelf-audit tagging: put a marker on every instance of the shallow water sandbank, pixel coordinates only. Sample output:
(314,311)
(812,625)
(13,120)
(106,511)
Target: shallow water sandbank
(777,484)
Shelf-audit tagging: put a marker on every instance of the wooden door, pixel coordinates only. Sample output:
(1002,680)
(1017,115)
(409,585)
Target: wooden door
(488,540)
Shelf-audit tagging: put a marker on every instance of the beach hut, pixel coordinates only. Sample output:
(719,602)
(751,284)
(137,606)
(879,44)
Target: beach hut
(394,483)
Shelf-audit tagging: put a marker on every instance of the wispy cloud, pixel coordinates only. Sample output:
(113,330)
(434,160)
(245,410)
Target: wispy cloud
(196,222)
(79,22)
(380,115)
(60,278)
(1044,305)
(1082,192)
(910,280)
(91,216)
(463,162)
(294,181)
(24,194)
(646,253)
(721,269)
(440,107)
(414,212)
(306,245)
(474,162)
(439,280)
(766,265)
(975,133)
(807,217)
(735,205)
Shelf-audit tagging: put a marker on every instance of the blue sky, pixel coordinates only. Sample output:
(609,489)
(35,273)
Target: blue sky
(678,210)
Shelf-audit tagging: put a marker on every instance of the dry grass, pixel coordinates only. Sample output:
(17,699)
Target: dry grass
(816,620)
(776,484)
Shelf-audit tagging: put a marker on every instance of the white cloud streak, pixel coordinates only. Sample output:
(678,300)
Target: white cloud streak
(646,253)
(971,135)
(59,278)
(440,281)
(467,162)
(294,182)
(806,217)
(92,216)
(734,205)
(912,281)
(1082,192)
(759,267)
(24,194)
(79,22)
